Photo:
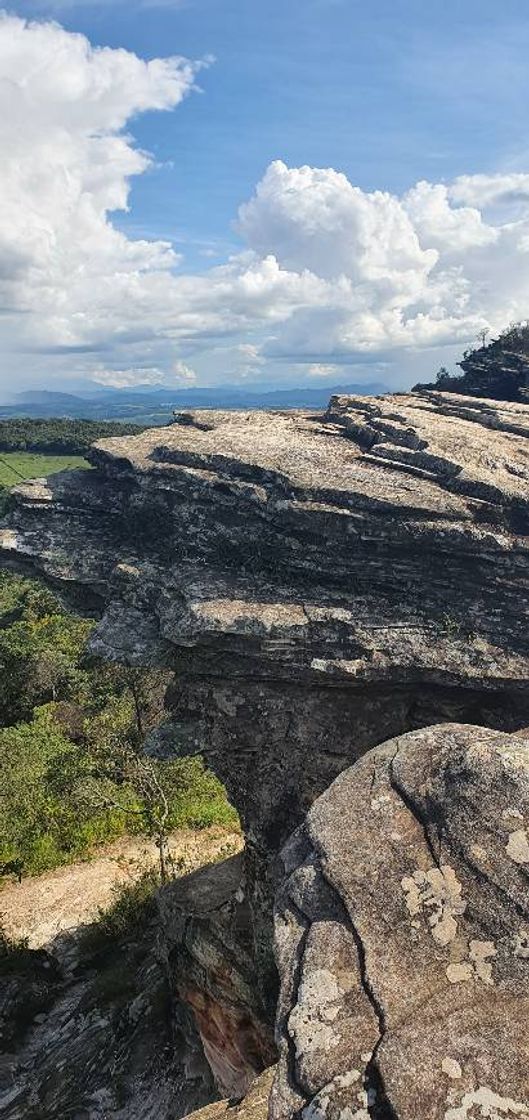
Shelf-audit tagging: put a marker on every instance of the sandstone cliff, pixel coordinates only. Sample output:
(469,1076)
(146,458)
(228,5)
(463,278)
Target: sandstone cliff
(317,584)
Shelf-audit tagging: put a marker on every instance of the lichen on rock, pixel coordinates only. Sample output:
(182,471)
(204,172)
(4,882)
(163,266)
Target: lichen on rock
(436,1006)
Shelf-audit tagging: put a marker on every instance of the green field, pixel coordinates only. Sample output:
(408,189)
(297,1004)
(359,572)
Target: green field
(17,465)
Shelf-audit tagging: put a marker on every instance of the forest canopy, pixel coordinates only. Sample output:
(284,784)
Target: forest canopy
(59,436)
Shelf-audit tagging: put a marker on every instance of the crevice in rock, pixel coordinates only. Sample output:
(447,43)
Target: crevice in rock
(463,856)
(378,1105)
(506,898)
(296,981)
(415,812)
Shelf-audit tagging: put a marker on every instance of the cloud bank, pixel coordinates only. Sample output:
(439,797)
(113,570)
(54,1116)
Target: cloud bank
(327,275)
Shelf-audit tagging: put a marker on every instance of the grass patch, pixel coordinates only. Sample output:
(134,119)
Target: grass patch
(18,465)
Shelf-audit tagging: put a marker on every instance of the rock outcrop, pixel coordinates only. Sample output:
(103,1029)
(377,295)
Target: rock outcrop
(144,1025)
(96,1034)
(316,584)
(403,936)
(254,1106)
(207,946)
(497,370)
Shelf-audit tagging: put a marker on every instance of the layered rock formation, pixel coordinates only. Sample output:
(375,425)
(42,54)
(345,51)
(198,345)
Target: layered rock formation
(317,584)
(91,1031)
(498,369)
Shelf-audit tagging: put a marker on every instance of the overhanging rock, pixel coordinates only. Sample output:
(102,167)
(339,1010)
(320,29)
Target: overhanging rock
(317,584)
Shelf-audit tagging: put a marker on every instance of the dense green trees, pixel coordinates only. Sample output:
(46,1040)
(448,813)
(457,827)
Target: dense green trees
(71,774)
(59,436)
(40,648)
(494,368)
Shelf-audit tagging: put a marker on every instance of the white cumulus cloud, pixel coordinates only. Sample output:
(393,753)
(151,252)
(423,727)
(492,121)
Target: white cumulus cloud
(327,274)
(322,370)
(485,190)
(127,378)
(421,270)
(67,275)
(183,375)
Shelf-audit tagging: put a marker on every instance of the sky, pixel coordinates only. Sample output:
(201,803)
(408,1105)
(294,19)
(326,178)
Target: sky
(302,192)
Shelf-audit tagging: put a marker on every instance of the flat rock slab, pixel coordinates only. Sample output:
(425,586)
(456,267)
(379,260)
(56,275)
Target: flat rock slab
(402,935)
(254,1106)
(383,540)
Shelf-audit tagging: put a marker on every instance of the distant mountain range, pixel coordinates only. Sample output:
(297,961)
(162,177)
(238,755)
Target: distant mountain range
(154,405)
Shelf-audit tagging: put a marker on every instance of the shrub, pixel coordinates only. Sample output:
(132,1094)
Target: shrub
(130,912)
(71,775)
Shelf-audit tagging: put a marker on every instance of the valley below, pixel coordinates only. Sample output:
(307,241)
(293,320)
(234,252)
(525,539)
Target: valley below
(87,1024)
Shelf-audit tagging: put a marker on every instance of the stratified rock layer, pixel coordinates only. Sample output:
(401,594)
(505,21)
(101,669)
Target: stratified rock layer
(207,945)
(499,369)
(402,934)
(316,583)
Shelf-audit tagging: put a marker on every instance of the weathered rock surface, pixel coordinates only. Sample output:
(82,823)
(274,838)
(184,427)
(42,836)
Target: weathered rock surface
(316,583)
(254,1106)
(103,1040)
(207,942)
(403,936)
(147,1026)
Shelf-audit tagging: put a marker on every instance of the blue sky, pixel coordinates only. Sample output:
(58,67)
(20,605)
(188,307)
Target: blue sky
(387,94)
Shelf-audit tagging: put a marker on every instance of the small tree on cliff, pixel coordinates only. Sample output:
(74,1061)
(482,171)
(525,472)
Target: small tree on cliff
(496,368)
(123,777)
(144,797)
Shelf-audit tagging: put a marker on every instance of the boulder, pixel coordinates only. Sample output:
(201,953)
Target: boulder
(402,936)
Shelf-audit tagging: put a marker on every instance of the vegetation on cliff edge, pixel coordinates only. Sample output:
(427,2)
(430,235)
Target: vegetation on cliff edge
(496,369)
(71,772)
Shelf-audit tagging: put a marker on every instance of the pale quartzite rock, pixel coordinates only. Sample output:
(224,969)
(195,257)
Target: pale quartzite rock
(254,1106)
(402,932)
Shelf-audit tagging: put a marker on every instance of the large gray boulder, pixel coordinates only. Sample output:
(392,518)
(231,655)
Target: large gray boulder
(402,934)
